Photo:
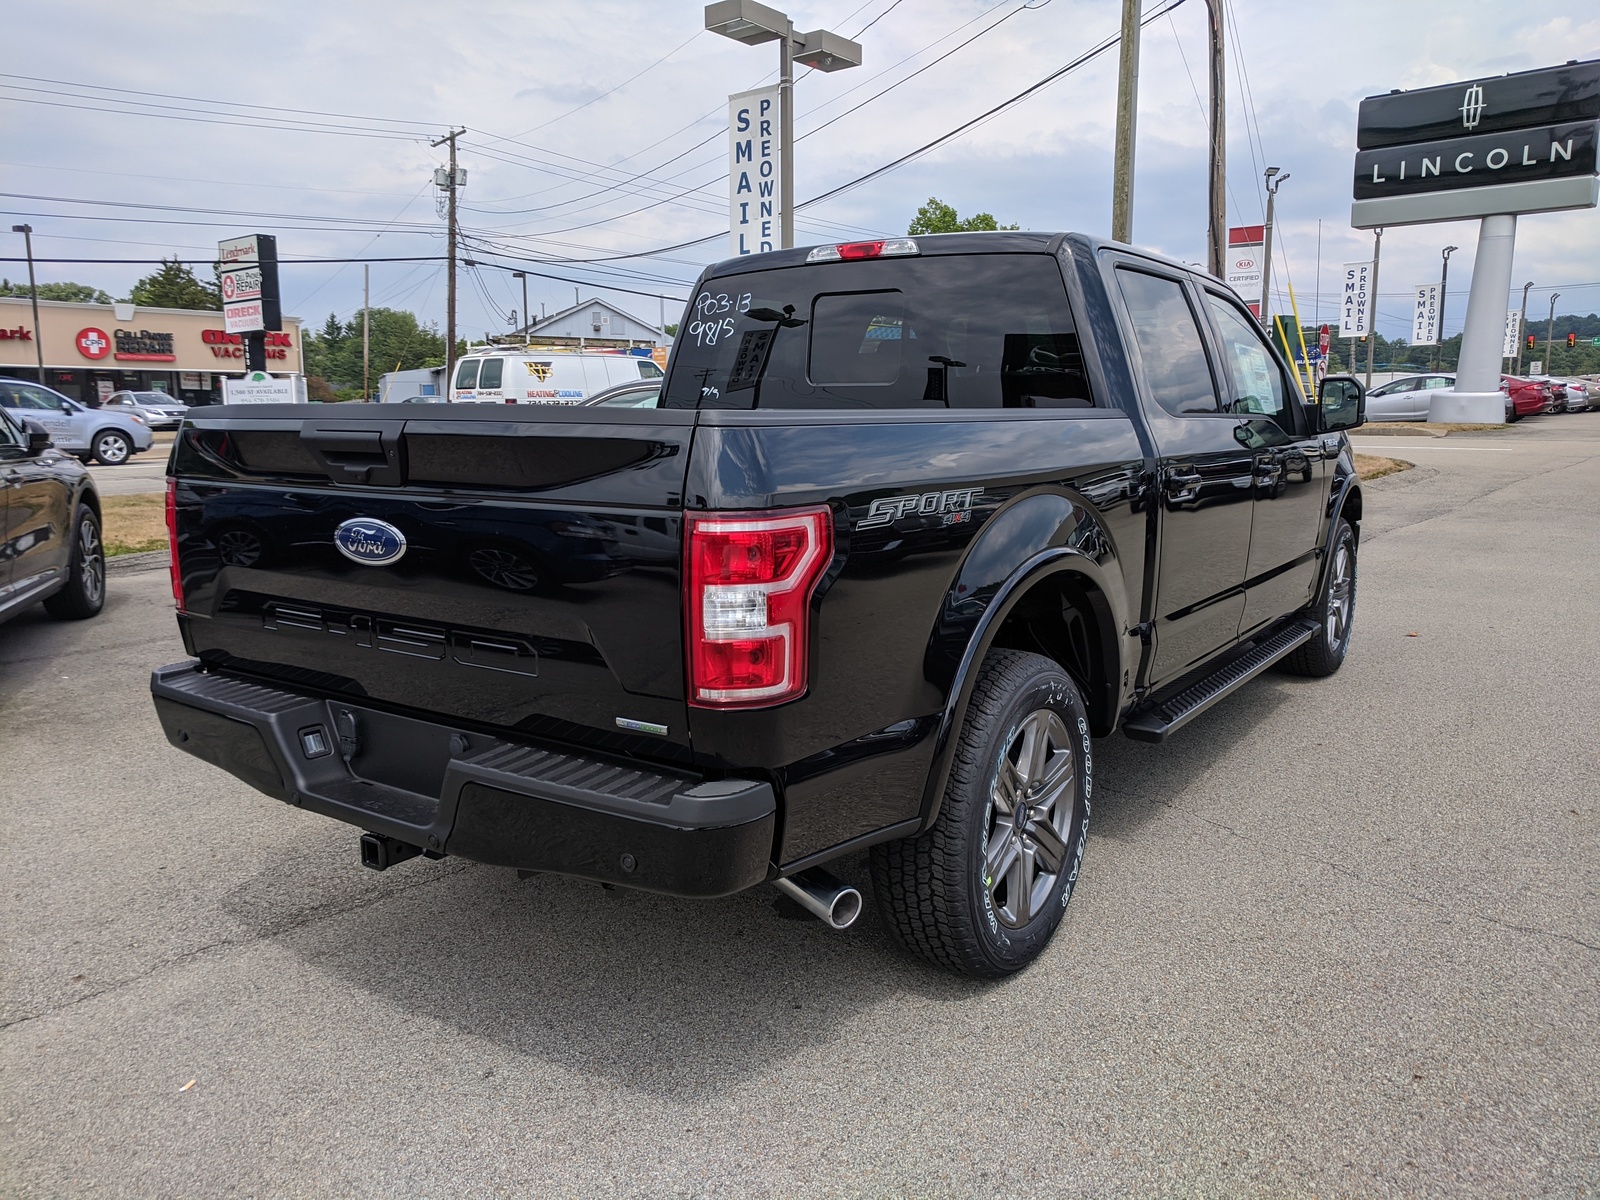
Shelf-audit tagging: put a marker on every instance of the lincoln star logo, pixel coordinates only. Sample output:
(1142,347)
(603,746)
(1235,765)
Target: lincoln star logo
(1472,107)
(370,543)
(952,507)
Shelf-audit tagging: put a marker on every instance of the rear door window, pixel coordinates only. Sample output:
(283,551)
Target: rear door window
(492,372)
(1174,358)
(947,331)
(467,373)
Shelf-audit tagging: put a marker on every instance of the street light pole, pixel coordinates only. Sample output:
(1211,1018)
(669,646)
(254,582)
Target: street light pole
(1444,283)
(1274,182)
(1549,332)
(1522,325)
(822,50)
(33,293)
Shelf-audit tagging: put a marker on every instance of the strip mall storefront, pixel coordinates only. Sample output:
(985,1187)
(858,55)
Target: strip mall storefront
(92,350)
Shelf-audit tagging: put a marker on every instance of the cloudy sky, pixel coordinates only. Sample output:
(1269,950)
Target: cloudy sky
(596,130)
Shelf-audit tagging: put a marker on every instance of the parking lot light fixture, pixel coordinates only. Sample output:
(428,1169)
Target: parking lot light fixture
(751,24)
(33,293)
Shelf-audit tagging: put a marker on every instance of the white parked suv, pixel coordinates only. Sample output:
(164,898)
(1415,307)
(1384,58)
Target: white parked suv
(107,435)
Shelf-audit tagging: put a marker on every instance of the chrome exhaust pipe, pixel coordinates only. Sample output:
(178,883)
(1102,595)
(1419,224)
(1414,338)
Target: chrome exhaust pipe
(837,904)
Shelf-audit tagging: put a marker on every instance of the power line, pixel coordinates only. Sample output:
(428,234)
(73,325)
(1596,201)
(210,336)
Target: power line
(211,101)
(1082,59)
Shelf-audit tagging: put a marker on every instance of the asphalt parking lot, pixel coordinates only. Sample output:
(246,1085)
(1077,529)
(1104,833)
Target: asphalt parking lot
(1336,938)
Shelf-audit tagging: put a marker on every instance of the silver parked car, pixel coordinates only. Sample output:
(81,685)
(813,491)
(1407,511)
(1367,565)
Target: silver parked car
(1406,398)
(159,410)
(109,436)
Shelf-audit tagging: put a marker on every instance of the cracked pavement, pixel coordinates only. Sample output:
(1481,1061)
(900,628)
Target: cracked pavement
(1336,938)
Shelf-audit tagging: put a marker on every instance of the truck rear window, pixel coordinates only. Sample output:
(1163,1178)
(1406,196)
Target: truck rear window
(957,331)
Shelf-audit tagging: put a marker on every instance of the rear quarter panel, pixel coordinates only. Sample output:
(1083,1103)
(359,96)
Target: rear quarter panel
(899,605)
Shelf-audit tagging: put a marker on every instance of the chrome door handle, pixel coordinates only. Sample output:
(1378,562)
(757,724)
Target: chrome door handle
(1182,487)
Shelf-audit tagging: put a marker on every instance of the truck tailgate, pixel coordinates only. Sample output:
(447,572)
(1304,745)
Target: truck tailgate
(536,588)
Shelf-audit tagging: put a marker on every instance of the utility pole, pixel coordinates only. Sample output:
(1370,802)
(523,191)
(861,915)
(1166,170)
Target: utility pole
(450,185)
(527,317)
(1127,118)
(1549,335)
(366,331)
(1219,145)
(1274,182)
(33,292)
(1372,325)
(1522,326)
(1444,283)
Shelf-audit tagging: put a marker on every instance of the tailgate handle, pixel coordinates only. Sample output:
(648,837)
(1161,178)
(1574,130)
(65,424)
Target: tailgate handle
(357,455)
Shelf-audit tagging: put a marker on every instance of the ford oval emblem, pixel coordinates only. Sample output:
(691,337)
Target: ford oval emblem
(370,543)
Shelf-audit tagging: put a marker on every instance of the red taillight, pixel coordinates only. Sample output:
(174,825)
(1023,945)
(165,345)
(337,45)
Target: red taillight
(172,541)
(750,578)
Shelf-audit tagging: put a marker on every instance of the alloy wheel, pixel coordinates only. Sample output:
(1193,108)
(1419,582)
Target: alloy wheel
(1341,596)
(92,558)
(1031,806)
(112,448)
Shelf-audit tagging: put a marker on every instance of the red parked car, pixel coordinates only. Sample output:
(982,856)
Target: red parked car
(1528,396)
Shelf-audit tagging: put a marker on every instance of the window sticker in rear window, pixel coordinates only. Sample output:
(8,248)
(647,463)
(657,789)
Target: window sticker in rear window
(945,331)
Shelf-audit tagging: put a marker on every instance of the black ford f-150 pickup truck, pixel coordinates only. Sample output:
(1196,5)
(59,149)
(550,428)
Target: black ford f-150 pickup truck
(914,522)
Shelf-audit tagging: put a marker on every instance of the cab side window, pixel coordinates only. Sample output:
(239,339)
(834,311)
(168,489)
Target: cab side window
(34,398)
(1174,357)
(1258,386)
(649,370)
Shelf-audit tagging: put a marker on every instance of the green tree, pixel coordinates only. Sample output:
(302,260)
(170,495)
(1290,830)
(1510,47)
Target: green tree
(174,286)
(76,293)
(396,340)
(938,217)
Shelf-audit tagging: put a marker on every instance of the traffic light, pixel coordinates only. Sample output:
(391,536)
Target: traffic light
(1530,341)
(1572,339)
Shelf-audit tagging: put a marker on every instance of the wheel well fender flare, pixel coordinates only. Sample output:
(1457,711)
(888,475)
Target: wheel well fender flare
(1041,566)
(1346,498)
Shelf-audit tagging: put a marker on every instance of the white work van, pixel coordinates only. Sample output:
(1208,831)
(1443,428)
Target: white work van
(547,377)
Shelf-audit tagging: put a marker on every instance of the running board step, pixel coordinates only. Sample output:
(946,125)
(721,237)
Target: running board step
(1154,722)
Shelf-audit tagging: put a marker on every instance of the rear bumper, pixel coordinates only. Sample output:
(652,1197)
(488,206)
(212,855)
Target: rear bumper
(450,791)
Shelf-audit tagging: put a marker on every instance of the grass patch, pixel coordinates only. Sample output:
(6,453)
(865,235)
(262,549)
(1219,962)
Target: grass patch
(1371,466)
(1423,429)
(134,524)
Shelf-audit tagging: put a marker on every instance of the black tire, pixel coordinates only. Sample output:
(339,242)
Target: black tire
(1334,610)
(112,447)
(85,592)
(939,891)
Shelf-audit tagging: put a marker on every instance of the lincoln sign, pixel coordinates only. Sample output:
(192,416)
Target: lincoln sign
(1494,149)
(1513,144)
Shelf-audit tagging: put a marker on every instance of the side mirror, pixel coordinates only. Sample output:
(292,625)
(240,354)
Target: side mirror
(71,406)
(1341,403)
(38,437)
